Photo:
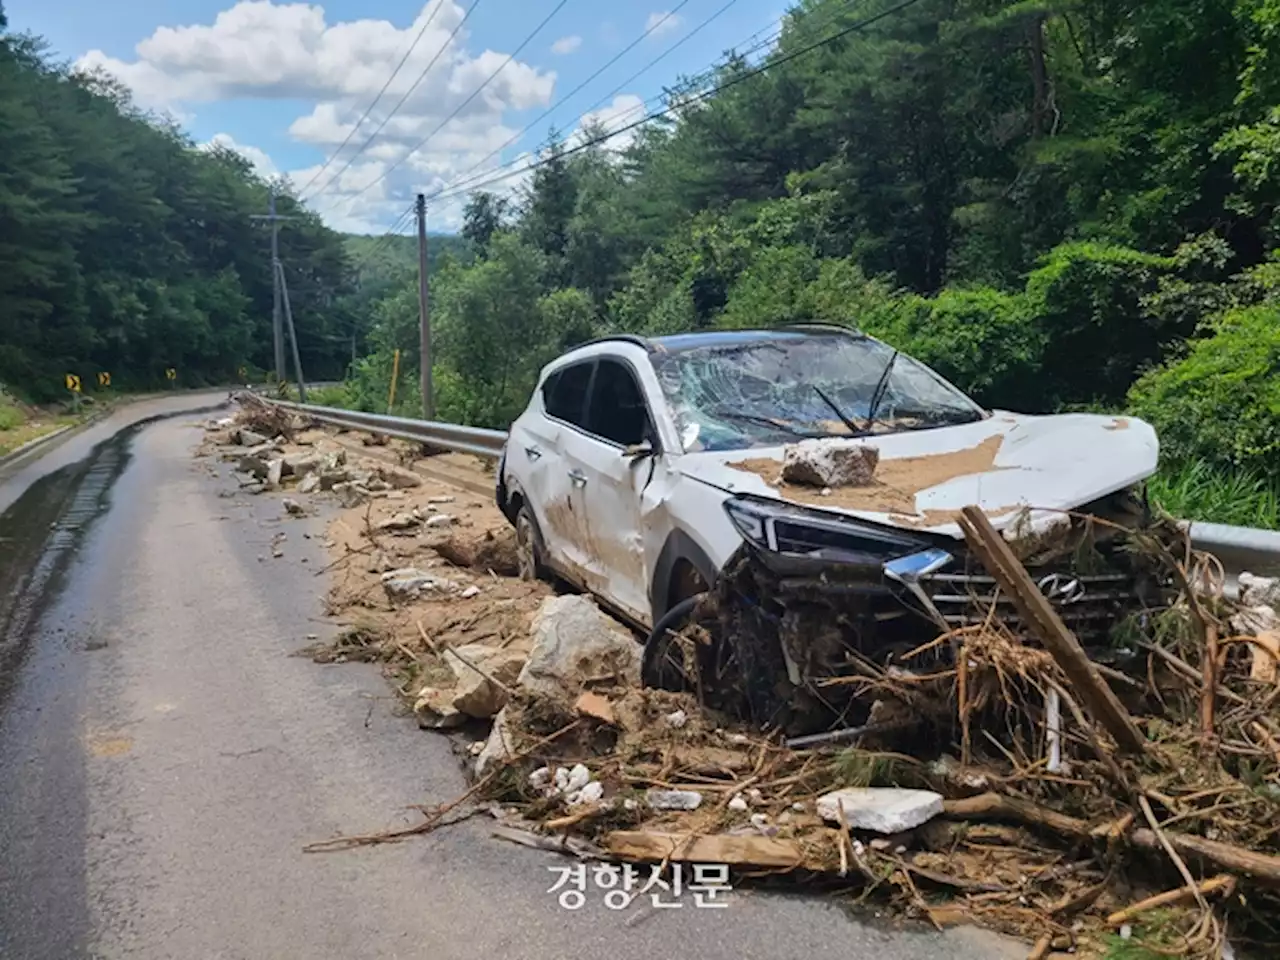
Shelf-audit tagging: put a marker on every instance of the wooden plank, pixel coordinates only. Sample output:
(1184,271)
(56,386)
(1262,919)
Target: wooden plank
(745,851)
(1036,611)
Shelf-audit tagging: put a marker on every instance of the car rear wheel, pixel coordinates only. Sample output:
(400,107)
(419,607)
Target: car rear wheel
(529,551)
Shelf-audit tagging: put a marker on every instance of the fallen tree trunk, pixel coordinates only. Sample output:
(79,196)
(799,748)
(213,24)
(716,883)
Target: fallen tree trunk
(742,851)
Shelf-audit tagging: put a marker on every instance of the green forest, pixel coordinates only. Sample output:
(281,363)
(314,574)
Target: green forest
(126,249)
(1058,205)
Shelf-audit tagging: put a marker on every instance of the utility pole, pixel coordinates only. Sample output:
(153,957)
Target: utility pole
(277,324)
(283,288)
(424,315)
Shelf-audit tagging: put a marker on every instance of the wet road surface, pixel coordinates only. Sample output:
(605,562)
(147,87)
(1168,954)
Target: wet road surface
(163,760)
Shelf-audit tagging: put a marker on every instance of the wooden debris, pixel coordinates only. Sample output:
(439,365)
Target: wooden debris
(1223,883)
(1039,615)
(743,851)
(1266,654)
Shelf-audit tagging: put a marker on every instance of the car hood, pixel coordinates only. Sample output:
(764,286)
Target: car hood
(1011,465)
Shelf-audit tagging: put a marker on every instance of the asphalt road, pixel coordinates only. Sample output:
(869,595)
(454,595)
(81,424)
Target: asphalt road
(163,760)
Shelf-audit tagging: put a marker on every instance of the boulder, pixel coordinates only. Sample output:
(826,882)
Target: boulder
(330,477)
(275,470)
(293,508)
(309,484)
(829,463)
(880,809)
(474,693)
(573,641)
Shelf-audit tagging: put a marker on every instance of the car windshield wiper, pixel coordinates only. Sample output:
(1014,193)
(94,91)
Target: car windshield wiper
(757,419)
(882,387)
(854,429)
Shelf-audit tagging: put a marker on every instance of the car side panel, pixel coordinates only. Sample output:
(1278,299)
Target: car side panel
(535,462)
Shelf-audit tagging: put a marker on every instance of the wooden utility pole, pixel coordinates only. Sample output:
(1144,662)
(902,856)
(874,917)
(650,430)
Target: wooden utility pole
(283,288)
(277,315)
(424,315)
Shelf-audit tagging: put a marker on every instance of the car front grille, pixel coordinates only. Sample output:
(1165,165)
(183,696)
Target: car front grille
(1089,605)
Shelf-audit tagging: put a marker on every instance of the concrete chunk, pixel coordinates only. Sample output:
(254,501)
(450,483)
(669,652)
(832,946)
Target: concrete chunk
(573,642)
(829,463)
(880,809)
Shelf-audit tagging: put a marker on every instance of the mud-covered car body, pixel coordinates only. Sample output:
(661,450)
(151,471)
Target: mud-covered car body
(647,471)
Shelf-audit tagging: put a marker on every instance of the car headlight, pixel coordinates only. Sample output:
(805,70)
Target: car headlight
(787,529)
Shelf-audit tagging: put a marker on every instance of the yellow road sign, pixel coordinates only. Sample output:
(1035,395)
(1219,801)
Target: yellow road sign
(73,383)
(104,379)
(171,373)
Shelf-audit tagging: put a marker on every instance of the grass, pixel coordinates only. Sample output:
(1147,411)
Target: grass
(16,428)
(1200,491)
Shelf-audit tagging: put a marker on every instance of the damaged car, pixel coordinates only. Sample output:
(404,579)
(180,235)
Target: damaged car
(774,507)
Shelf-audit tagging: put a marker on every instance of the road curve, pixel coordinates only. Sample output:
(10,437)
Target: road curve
(163,760)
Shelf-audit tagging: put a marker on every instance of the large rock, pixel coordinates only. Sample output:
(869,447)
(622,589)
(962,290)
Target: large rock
(880,809)
(349,494)
(573,641)
(275,470)
(829,463)
(478,694)
(309,484)
(255,464)
(1258,591)
(399,479)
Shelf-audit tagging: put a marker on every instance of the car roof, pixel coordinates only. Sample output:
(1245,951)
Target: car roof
(677,342)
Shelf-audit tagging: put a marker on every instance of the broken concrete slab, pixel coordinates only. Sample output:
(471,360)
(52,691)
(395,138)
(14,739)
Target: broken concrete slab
(309,484)
(573,641)
(274,472)
(886,810)
(302,464)
(331,477)
(829,463)
(254,464)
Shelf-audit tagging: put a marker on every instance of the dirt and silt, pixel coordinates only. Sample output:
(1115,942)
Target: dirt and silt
(1009,803)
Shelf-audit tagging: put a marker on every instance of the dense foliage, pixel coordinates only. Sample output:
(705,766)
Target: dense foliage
(124,248)
(1047,200)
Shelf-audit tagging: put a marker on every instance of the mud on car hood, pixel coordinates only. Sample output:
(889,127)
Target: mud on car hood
(1011,465)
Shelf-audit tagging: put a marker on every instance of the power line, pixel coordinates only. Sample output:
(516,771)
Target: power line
(384,241)
(475,93)
(365,116)
(400,103)
(461,183)
(689,101)
(618,56)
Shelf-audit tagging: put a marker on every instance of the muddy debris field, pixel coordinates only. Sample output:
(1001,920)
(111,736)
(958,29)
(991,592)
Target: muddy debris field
(1088,807)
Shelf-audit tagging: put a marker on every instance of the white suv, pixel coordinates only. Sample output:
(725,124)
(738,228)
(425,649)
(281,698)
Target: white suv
(643,466)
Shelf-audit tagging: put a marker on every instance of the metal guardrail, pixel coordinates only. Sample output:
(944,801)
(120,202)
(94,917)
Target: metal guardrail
(1239,548)
(450,436)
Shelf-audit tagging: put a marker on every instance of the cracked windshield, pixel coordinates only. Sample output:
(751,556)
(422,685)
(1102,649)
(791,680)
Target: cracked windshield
(754,390)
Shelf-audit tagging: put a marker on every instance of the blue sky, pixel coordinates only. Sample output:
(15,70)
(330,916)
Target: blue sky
(285,83)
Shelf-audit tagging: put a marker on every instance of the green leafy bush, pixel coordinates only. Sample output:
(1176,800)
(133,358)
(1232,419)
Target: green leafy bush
(1220,401)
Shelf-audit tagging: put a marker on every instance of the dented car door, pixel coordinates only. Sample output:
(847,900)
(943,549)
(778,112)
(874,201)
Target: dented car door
(608,469)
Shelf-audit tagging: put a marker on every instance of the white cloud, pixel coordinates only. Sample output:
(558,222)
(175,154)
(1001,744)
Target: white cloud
(261,162)
(566,45)
(266,51)
(661,22)
(624,109)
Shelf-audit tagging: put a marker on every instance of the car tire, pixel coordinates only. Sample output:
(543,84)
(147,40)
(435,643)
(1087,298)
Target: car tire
(659,668)
(530,552)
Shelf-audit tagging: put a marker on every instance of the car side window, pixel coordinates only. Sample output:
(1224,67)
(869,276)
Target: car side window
(617,409)
(564,394)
